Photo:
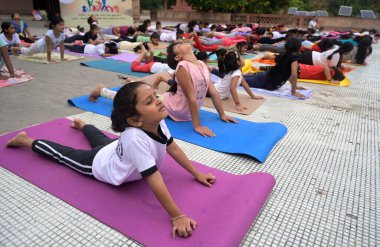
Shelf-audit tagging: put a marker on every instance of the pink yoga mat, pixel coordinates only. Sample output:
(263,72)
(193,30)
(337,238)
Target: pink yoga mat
(224,212)
(125,57)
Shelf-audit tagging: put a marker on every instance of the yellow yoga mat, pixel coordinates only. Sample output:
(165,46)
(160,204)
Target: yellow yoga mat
(42,57)
(343,83)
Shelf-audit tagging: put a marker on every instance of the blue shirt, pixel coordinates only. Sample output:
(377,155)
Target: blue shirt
(20,28)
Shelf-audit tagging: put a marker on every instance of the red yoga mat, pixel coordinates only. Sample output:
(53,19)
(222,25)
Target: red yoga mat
(224,212)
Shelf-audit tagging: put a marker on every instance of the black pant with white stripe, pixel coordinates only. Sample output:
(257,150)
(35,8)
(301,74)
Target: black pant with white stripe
(77,159)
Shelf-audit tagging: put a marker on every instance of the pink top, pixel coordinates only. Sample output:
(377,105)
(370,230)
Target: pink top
(177,104)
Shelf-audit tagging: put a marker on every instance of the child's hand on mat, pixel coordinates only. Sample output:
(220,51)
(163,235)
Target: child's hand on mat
(228,119)
(240,108)
(52,61)
(184,226)
(205,131)
(64,59)
(299,95)
(206,178)
(257,97)
(300,88)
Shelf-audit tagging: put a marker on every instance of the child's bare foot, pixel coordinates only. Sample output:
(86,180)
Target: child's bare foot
(15,50)
(77,124)
(95,94)
(20,140)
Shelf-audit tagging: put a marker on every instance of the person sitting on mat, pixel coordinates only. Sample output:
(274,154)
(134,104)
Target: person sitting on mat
(21,28)
(9,35)
(233,78)
(138,114)
(284,70)
(53,38)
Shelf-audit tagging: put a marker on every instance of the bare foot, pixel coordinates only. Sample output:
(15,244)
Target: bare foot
(20,140)
(3,77)
(15,50)
(95,94)
(77,124)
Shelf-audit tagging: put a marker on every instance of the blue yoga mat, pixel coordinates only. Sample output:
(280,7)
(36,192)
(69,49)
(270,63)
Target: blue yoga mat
(113,65)
(249,138)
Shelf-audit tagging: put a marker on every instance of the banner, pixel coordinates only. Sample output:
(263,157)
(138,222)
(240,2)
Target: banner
(108,12)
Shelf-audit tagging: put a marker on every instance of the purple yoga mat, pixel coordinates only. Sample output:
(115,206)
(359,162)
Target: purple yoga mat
(224,212)
(125,57)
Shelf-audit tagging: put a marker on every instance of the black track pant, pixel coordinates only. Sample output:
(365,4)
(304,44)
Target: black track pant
(77,159)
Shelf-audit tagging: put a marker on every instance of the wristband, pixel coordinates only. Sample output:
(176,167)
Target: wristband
(178,217)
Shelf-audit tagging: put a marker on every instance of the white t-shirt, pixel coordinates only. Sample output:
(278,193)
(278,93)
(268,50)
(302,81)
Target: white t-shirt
(136,154)
(15,39)
(41,43)
(277,35)
(168,37)
(321,58)
(94,49)
(158,67)
(312,24)
(224,86)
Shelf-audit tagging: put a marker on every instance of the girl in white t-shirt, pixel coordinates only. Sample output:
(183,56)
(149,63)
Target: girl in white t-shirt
(138,114)
(54,37)
(233,78)
(105,50)
(9,35)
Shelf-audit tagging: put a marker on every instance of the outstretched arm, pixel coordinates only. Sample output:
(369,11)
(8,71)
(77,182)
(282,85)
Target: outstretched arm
(185,81)
(7,60)
(178,155)
(218,103)
(180,223)
(49,48)
(293,80)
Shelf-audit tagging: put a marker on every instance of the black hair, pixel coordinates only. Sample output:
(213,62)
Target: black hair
(4,26)
(260,31)
(137,48)
(362,52)
(124,105)
(240,45)
(93,26)
(89,20)
(231,61)
(154,35)
(55,20)
(191,26)
(213,27)
(173,65)
(146,22)
(338,75)
(325,44)
(179,31)
(345,36)
(171,56)
(344,48)
(203,56)
(220,54)
(292,45)
(131,31)
(112,48)
(372,31)
(80,29)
